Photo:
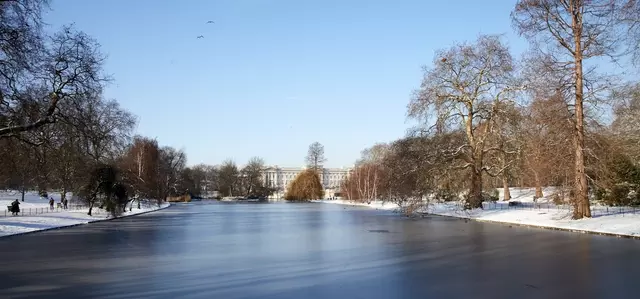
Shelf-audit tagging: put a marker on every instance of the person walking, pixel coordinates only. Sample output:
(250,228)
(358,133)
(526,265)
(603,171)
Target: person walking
(51,201)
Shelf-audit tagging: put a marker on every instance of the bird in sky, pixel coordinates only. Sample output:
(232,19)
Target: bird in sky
(211,22)
(200,36)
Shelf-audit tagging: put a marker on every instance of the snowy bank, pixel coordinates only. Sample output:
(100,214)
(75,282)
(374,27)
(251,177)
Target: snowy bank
(605,220)
(13,225)
(624,224)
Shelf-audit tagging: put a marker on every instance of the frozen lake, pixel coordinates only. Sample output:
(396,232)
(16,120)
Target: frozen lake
(283,250)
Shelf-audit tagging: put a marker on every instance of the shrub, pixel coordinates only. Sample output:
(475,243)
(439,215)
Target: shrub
(105,188)
(620,181)
(305,186)
(413,207)
(618,196)
(557,199)
(445,195)
(495,193)
(493,197)
(634,196)
(600,194)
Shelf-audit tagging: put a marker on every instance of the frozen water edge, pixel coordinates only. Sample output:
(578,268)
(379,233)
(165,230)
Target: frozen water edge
(615,224)
(14,225)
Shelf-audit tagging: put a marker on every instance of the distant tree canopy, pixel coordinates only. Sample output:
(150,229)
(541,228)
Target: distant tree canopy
(306,186)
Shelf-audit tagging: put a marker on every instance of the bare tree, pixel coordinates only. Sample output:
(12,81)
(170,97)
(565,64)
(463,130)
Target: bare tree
(172,162)
(18,167)
(629,17)
(139,167)
(228,177)
(506,141)
(252,173)
(104,126)
(189,181)
(21,48)
(413,169)
(546,132)
(364,182)
(464,90)
(568,32)
(105,187)
(315,155)
(69,66)
(207,176)
(626,124)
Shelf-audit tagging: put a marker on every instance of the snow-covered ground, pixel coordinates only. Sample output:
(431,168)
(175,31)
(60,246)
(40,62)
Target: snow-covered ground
(11,225)
(31,199)
(611,220)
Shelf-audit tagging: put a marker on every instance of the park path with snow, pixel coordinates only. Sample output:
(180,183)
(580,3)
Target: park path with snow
(609,220)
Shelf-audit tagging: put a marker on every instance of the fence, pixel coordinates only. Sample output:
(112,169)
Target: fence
(46,210)
(58,208)
(596,210)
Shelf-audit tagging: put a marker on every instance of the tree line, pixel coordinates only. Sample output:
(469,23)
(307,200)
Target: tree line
(58,131)
(551,118)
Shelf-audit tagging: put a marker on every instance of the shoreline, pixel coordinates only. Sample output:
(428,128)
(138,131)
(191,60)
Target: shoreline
(84,222)
(557,226)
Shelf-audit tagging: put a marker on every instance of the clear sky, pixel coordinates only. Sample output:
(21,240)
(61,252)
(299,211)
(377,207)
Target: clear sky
(271,77)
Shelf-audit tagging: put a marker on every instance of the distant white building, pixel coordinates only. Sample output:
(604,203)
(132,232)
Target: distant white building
(280,177)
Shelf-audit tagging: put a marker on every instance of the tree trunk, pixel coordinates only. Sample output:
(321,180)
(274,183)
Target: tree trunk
(90,208)
(536,178)
(63,194)
(474,198)
(505,186)
(368,185)
(375,184)
(22,192)
(581,200)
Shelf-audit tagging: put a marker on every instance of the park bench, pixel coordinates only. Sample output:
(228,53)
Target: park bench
(10,209)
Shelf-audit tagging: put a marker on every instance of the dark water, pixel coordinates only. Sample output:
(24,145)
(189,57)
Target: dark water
(312,251)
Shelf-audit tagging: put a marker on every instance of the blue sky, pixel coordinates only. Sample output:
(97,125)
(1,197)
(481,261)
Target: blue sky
(271,77)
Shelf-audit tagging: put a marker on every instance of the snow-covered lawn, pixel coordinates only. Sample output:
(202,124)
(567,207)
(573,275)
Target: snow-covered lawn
(31,199)
(11,225)
(612,220)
